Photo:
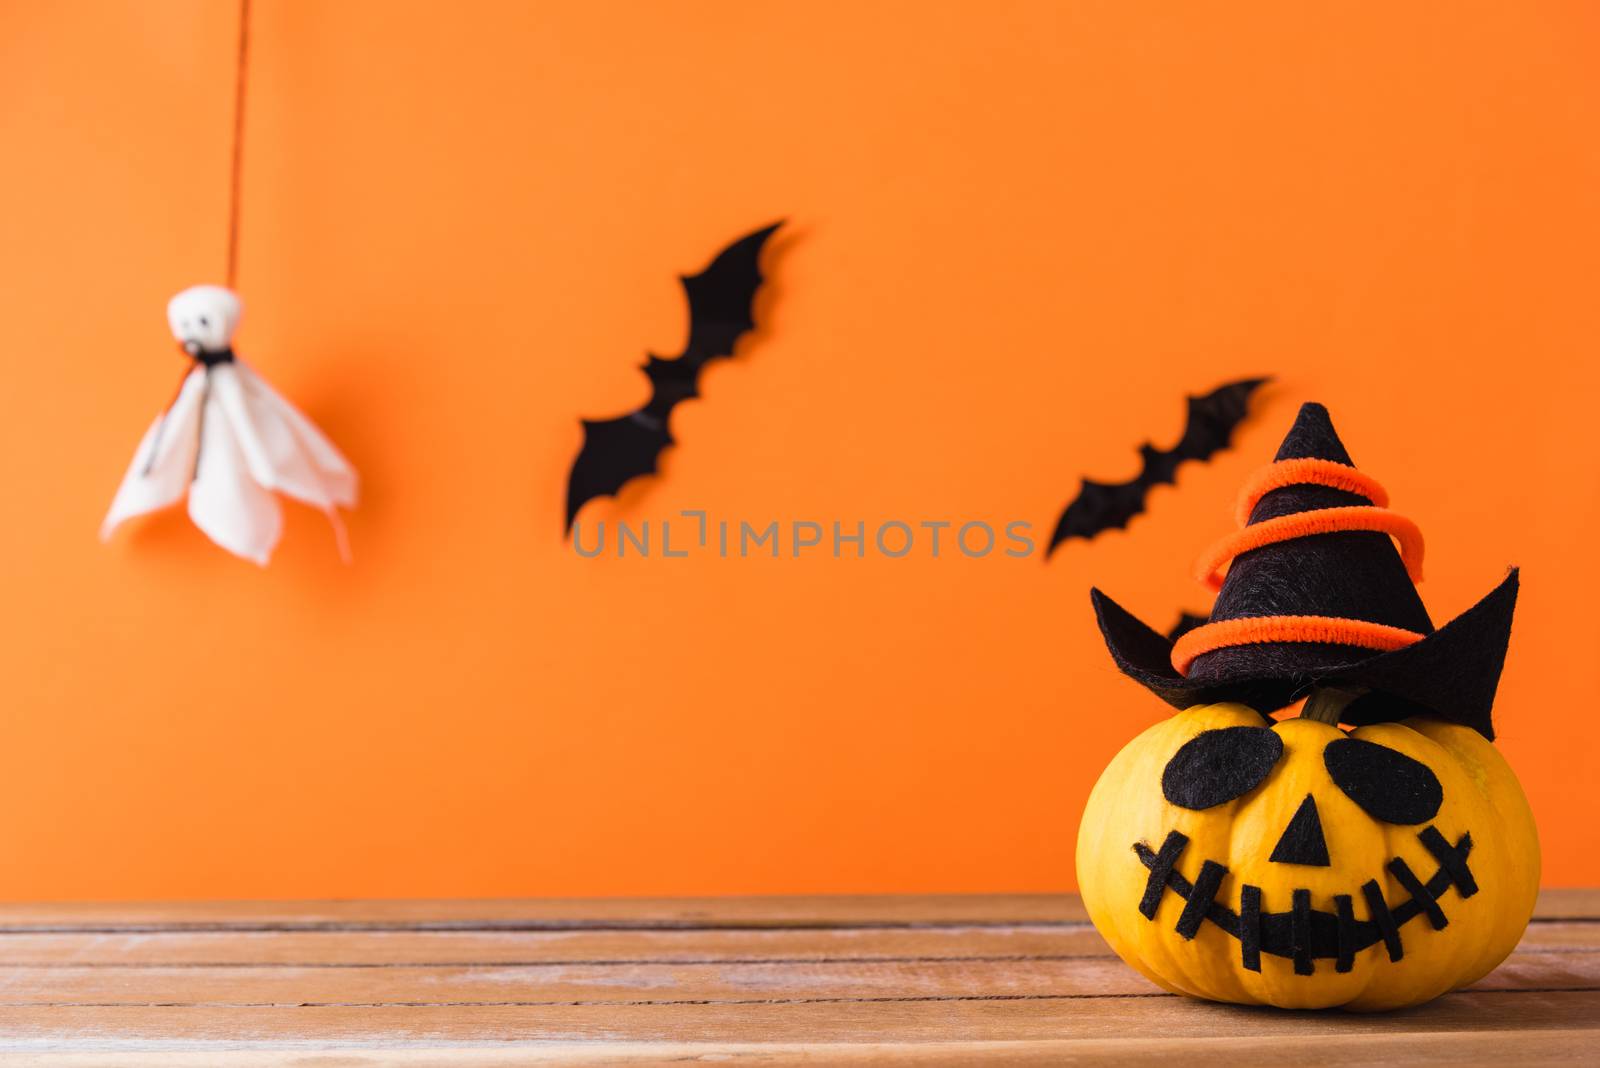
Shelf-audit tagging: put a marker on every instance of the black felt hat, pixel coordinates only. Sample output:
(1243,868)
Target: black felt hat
(1354,578)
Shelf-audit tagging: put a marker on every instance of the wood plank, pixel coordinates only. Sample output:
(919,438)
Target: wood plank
(561,984)
(577,947)
(1531,1050)
(1568,903)
(820,1021)
(1530,968)
(1553,934)
(823,911)
(853,980)
(632,984)
(887,910)
(491,947)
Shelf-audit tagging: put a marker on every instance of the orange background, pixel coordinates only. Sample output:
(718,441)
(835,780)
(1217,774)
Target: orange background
(1019,234)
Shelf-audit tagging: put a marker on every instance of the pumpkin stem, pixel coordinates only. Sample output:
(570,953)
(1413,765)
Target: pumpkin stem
(1326,704)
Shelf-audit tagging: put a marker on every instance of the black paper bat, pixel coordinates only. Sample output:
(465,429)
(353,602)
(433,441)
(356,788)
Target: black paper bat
(1102,505)
(720,298)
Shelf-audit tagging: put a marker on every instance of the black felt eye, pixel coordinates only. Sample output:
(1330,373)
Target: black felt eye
(1387,784)
(1220,765)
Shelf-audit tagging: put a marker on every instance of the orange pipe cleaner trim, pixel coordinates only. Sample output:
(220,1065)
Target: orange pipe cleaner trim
(1307,472)
(1304,524)
(1210,637)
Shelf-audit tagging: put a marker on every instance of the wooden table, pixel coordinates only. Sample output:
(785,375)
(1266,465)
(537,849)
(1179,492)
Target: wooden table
(891,980)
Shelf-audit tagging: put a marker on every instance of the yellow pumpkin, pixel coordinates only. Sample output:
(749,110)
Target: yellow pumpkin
(1372,869)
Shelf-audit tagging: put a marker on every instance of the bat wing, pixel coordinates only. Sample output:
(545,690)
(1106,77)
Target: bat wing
(1212,420)
(614,451)
(231,507)
(721,300)
(1101,506)
(164,461)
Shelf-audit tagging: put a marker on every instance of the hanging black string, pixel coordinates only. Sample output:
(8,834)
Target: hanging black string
(240,69)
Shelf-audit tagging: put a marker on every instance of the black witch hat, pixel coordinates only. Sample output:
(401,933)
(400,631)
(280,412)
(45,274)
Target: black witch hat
(1316,595)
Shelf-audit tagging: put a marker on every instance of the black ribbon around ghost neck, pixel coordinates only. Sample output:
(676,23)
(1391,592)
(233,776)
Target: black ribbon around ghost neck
(209,360)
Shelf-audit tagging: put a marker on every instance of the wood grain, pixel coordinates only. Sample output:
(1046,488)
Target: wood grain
(182,946)
(819,1020)
(769,981)
(827,911)
(1533,1049)
(633,984)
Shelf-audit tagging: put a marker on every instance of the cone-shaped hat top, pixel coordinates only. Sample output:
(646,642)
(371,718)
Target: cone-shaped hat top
(1313,438)
(1349,574)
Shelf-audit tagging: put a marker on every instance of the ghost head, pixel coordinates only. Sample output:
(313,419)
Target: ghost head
(203,318)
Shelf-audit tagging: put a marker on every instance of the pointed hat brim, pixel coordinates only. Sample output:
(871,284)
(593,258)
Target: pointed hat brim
(1451,674)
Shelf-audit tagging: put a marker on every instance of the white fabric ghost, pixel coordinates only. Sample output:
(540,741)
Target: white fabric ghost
(230,440)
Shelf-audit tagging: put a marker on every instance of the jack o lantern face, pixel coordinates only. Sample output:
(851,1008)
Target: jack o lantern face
(1221,765)
(1295,864)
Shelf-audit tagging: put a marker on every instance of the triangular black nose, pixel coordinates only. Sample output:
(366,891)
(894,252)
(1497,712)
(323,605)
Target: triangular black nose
(1302,841)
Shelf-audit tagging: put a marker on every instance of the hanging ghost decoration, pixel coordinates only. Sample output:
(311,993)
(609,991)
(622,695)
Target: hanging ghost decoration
(230,441)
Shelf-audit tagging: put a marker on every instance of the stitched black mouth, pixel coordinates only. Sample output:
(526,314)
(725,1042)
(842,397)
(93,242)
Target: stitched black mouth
(1303,933)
